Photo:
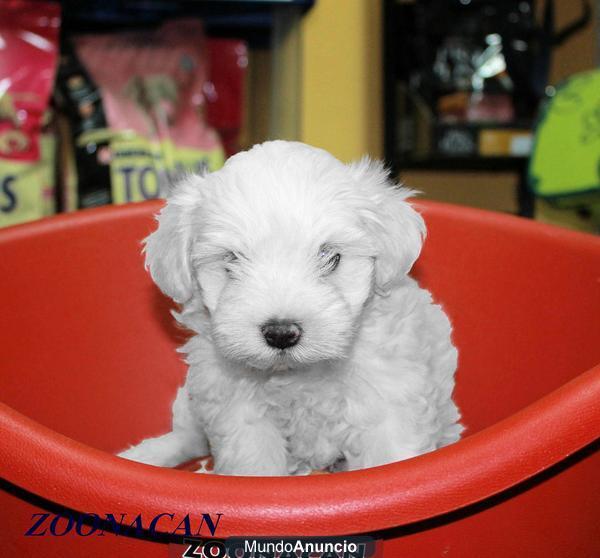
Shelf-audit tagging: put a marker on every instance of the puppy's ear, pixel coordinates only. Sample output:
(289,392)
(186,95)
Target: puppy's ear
(167,249)
(395,228)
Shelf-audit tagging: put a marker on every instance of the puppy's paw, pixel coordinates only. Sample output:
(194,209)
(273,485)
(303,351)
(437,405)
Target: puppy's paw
(168,450)
(143,453)
(256,449)
(271,462)
(252,469)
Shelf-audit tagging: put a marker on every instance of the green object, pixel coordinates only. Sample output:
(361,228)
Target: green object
(565,162)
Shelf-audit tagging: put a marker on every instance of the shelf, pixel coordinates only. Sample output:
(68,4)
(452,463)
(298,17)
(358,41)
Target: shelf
(251,20)
(449,163)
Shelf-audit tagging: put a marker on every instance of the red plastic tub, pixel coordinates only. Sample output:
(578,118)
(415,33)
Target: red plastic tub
(89,365)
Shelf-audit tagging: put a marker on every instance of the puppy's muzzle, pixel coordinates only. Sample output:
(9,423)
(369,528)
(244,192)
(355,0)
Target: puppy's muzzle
(281,334)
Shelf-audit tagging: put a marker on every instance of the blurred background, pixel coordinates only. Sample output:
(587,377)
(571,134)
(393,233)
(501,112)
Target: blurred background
(491,104)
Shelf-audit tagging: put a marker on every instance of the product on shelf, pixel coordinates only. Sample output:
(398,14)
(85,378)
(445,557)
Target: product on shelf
(28,52)
(565,164)
(225,89)
(136,106)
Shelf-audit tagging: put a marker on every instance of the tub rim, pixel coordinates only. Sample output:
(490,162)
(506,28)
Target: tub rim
(481,465)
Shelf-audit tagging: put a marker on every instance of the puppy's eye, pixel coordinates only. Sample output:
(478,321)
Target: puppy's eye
(230,259)
(329,259)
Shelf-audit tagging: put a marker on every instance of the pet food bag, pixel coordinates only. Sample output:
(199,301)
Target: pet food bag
(135,103)
(28,54)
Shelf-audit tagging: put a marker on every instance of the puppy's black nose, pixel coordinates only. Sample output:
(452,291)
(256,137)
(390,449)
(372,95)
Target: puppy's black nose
(281,334)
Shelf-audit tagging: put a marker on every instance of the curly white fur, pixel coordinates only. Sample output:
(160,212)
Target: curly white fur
(369,382)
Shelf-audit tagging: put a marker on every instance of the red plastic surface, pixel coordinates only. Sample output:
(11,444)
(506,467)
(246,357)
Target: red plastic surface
(89,366)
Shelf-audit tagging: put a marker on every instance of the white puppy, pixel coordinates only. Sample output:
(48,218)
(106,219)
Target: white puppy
(313,349)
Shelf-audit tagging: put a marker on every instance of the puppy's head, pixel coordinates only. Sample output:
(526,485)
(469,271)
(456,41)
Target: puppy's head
(283,247)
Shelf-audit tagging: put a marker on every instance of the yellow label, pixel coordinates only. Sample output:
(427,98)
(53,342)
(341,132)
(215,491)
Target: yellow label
(142,170)
(27,188)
